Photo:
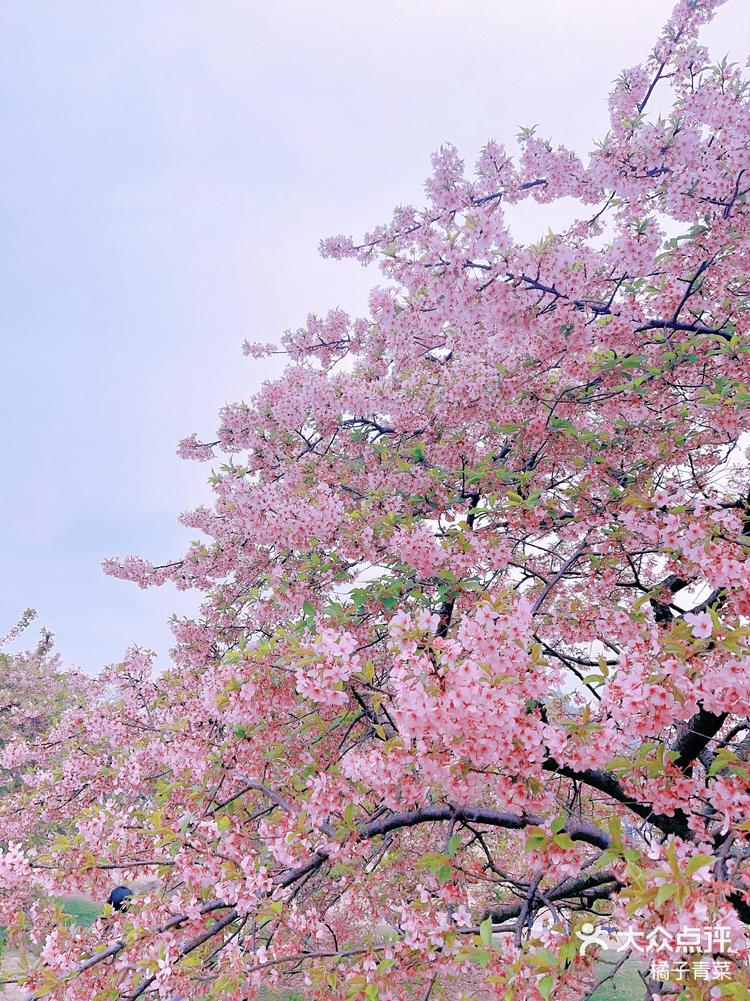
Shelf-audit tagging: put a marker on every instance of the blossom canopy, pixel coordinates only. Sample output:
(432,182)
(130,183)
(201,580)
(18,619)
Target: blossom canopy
(472,660)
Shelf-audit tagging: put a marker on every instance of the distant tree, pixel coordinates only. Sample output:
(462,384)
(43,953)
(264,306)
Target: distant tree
(34,691)
(472,664)
(36,694)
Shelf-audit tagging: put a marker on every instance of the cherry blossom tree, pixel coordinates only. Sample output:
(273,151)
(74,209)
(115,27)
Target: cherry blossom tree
(34,692)
(472,663)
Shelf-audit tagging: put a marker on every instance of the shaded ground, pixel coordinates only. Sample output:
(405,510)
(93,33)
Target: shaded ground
(627,985)
(10,992)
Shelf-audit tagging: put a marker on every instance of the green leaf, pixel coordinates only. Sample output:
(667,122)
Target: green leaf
(543,957)
(558,824)
(434,861)
(545,986)
(453,845)
(665,891)
(564,841)
(615,826)
(485,931)
(736,991)
(698,862)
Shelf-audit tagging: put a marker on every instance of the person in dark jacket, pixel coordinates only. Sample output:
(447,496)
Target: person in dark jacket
(118,898)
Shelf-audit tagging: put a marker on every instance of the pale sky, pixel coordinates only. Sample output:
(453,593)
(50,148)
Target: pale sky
(168,169)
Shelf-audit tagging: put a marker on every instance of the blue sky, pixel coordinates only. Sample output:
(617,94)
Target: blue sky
(168,168)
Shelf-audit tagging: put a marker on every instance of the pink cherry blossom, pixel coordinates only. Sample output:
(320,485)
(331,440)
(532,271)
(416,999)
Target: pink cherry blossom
(472,650)
(700,624)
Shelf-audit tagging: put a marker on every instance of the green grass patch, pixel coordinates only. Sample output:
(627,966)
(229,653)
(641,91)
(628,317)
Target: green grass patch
(82,912)
(626,985)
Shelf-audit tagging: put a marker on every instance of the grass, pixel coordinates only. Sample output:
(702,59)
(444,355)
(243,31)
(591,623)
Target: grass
(626,985)
(80,910)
